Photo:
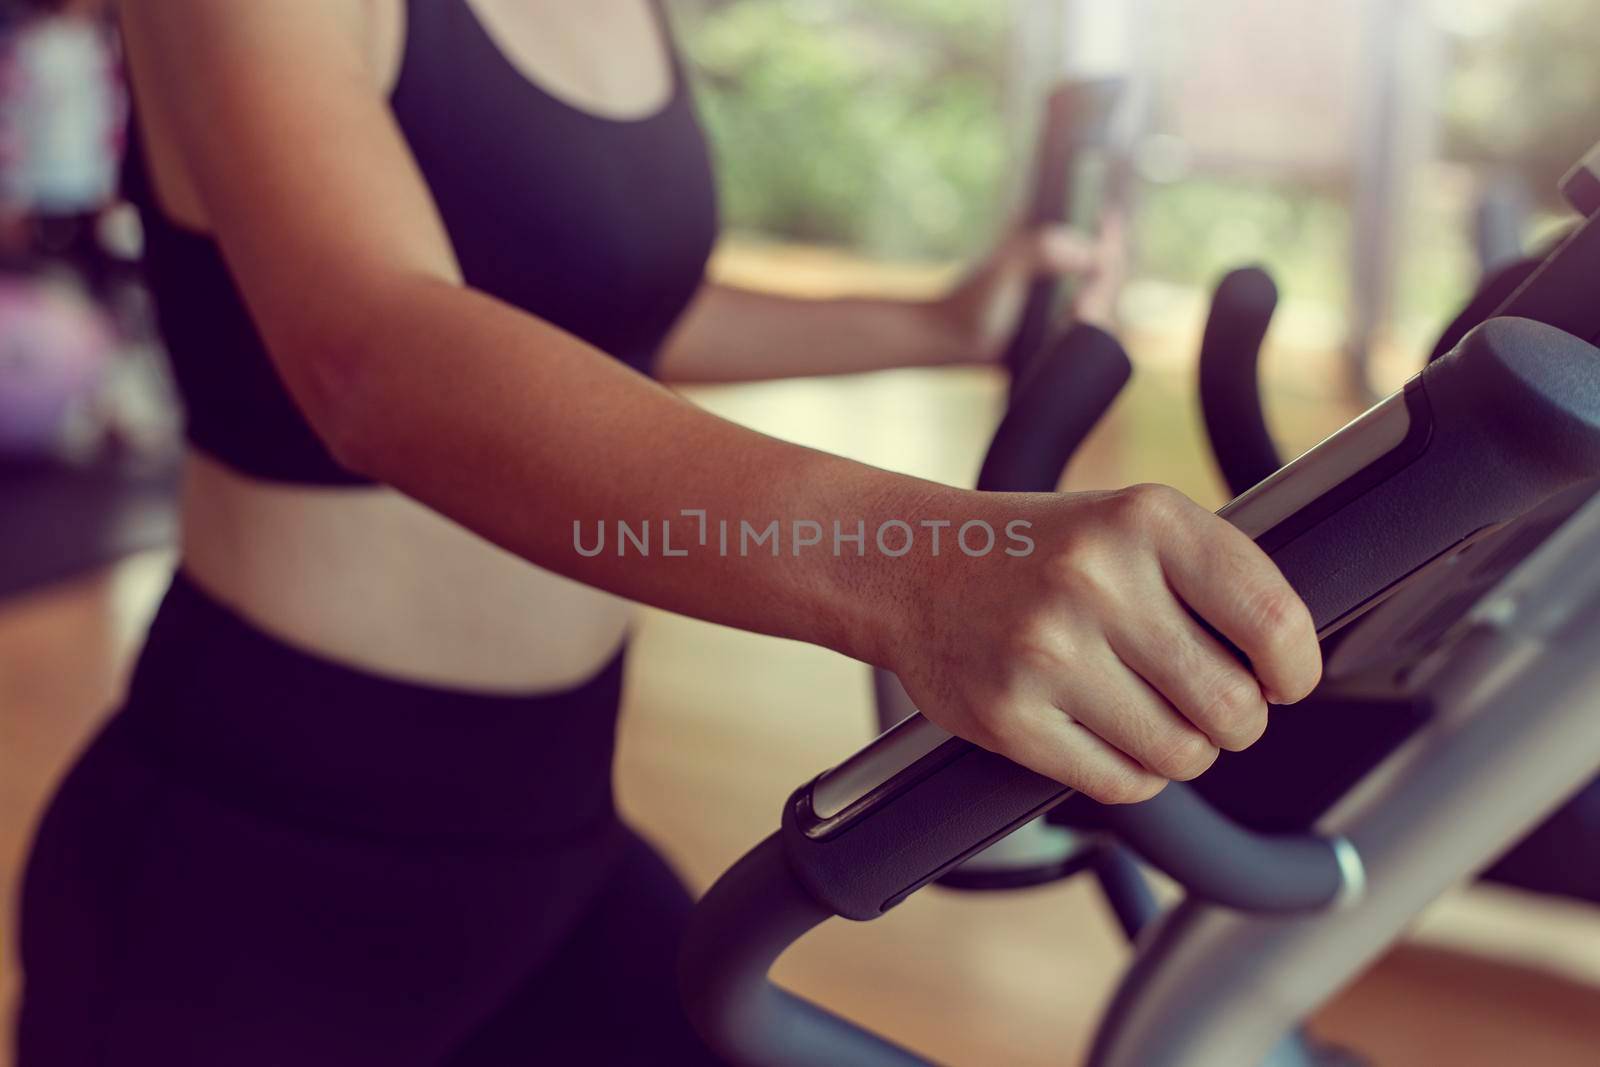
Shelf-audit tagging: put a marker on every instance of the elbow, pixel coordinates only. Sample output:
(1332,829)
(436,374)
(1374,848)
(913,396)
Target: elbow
(337,389)
(348,371)
(349,427)
(353,447)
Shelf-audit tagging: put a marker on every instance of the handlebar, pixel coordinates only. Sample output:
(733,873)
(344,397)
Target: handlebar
(918,801)
(1230,394)
(741,927)
(1072,387)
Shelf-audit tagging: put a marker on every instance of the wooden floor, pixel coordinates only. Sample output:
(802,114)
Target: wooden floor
(719,726)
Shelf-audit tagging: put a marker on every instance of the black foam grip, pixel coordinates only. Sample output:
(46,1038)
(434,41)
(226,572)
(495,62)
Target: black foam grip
(866,868)
(979,797)
(1070,390)
(1230,393)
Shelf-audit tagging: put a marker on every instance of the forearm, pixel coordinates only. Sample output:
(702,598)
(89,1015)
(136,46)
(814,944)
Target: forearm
(732,334)
(518,431)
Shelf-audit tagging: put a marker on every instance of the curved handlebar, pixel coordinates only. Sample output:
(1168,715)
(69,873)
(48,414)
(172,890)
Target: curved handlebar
(1072,387)
(743,924)
(1230,394)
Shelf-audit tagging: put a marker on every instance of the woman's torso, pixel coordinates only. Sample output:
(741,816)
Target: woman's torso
(359,573)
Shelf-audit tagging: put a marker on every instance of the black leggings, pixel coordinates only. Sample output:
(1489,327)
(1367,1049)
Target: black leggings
(265,858)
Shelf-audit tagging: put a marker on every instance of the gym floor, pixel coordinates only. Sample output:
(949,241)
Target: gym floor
(720,725)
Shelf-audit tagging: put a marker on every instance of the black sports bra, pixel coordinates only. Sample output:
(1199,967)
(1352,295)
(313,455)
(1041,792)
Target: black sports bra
(600,226)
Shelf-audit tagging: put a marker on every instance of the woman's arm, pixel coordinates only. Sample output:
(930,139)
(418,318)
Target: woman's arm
(517,430)
(734,334)
(731,334)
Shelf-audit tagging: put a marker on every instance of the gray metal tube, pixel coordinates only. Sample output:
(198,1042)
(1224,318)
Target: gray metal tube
(743,924)
(1217,860)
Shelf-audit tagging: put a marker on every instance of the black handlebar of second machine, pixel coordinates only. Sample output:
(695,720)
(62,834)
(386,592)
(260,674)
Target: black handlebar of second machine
(1230,395)
(1077,116)
(1073,384)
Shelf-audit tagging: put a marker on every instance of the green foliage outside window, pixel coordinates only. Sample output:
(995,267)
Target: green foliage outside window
(874,125)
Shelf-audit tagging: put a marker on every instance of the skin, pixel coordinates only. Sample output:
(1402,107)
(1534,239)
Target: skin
(1082,660)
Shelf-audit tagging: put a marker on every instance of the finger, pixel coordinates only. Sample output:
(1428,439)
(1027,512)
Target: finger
(1127,713)
(1236,589)
(1199,677)
(1112,226)
(1061,250)
(1045,740)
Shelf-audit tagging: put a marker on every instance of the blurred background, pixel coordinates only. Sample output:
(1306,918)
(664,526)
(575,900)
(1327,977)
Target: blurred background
(1377,156)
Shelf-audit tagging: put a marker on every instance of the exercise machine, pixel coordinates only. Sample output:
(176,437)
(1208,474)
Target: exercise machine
(1386,511)
(1446,544)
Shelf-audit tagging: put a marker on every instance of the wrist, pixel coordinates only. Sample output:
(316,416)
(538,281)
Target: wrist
(946,333)
(885,597)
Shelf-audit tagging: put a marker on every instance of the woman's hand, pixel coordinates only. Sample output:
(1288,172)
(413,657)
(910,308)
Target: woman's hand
(1087,660)
(983,309)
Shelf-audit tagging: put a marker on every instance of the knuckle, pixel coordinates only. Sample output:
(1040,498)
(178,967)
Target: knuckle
(1246,736)
(1085,572)
(1275,613)
(1033,649)
(1285,642)
(997,726)
(1012,727)
(1149,504)
(1236,714)
(1129,787)
(1186,754)
(1247,732)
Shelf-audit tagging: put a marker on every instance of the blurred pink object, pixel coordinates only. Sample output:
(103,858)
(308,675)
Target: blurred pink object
(55,348)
